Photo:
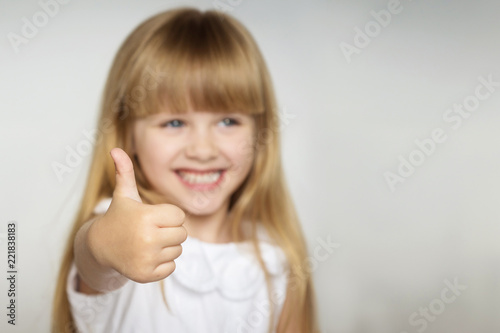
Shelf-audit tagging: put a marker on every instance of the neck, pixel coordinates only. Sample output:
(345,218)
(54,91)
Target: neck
(210,228)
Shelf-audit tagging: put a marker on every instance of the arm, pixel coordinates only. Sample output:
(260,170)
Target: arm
(131,241)
(93,278)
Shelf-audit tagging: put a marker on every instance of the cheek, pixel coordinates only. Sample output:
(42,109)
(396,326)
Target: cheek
(242,152)
(155,155)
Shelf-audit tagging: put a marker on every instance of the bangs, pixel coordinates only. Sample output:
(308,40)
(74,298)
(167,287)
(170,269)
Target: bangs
(201,62)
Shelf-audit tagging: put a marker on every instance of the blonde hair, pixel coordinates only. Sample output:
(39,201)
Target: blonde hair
(208,61)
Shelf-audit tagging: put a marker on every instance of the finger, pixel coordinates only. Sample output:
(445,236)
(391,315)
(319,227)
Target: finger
(163,270)
(169,216)
(171,236)
(125,176)
(169,253)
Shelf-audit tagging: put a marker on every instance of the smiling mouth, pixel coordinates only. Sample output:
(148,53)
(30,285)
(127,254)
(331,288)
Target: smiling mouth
(210,177)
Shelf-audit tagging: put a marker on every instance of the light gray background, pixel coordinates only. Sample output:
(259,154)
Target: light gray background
(345,125)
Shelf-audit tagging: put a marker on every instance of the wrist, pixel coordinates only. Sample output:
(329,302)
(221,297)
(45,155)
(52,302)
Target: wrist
(93,269)
(91,241)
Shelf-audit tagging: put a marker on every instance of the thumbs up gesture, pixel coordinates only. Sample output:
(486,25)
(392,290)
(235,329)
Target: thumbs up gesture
(139,241)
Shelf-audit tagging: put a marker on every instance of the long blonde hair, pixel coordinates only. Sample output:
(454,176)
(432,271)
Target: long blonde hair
(207,61)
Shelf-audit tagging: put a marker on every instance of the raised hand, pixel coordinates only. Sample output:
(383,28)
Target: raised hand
(139,241)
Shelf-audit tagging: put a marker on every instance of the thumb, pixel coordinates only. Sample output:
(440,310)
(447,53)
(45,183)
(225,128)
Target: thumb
(125,176)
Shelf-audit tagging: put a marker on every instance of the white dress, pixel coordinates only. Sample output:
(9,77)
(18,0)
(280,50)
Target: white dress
(217,288)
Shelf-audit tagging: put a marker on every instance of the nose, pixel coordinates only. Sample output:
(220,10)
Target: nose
(201,146)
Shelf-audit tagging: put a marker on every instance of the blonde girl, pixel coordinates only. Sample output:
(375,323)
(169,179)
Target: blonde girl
(189,119)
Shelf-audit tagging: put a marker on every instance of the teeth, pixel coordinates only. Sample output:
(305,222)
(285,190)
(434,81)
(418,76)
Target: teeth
(197,178)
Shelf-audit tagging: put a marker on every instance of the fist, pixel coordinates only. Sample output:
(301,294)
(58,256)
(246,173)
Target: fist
(139,241)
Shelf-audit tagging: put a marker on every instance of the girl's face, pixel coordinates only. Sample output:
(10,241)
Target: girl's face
(197,159)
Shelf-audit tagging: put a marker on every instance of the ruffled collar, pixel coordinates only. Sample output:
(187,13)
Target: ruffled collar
(231,269)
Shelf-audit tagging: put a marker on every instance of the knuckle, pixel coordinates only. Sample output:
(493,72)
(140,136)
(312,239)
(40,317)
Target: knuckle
(175,252)
(171,267)
(184,233)
(164,270)
(182,215)
(147,239)
(176,213)
(172,212)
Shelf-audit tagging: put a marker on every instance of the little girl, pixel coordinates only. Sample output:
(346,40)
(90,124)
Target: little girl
(187,153)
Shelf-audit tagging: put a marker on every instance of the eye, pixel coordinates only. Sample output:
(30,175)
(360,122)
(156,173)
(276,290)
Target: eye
(173,123)
(228,122)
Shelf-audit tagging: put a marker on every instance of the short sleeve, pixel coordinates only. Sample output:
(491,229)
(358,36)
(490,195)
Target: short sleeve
(91,313)
(102,206)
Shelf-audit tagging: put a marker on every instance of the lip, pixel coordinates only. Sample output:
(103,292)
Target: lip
(197,170)
(201,187)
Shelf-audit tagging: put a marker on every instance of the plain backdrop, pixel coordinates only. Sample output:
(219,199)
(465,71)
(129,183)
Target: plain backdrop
(356,95)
